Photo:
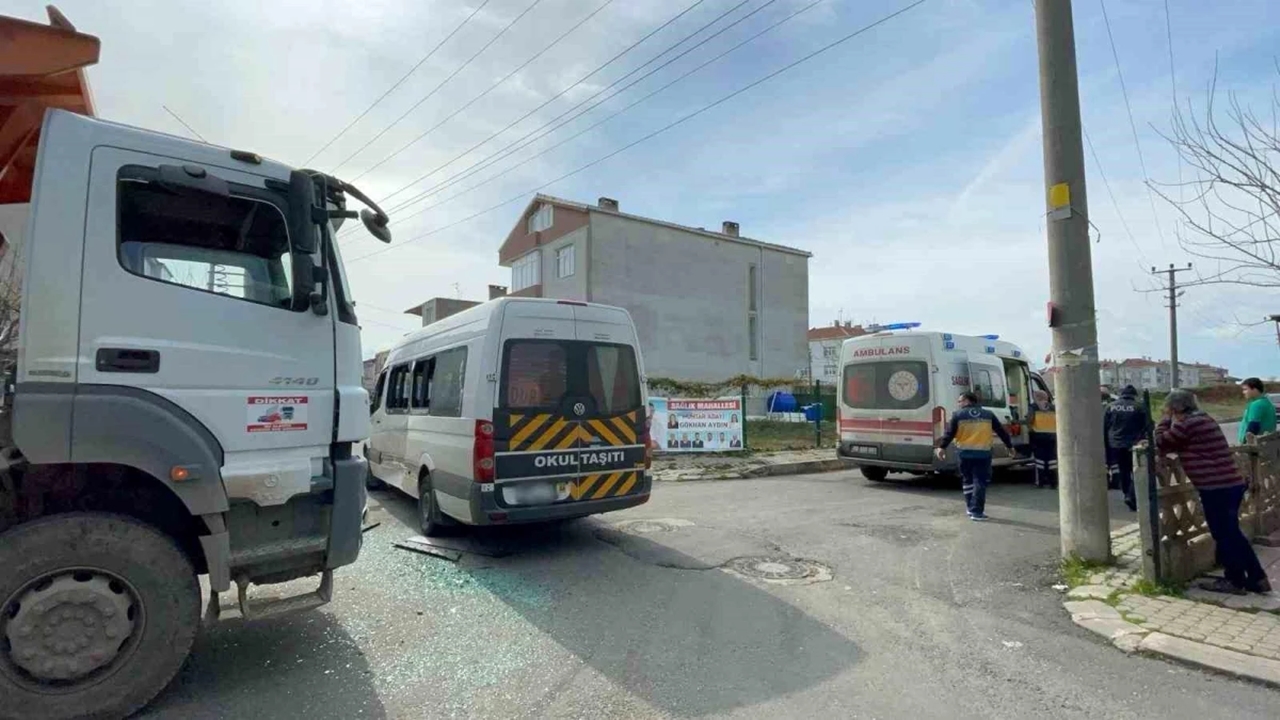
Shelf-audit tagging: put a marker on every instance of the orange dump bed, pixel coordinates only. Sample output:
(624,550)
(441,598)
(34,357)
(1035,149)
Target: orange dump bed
(41,66)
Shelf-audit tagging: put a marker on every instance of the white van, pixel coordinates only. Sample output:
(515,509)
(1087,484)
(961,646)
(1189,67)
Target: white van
(899,389)
(517,410)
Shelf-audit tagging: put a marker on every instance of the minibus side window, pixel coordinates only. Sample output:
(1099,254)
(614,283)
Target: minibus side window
(447,379)
(378,387)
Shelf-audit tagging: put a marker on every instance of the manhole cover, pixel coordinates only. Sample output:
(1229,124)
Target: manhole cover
(780,570)
(644,527)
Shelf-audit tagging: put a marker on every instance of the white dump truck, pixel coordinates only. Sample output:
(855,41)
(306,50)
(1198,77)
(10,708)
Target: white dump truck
(185,391)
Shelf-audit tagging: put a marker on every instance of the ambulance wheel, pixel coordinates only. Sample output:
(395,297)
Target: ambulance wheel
(431,521)
(875,474)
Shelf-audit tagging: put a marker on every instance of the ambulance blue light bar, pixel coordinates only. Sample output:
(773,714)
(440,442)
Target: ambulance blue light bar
(899,326)
(991,337)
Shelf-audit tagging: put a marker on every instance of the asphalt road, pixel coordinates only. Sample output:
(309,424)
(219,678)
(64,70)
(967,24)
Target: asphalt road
(925,614)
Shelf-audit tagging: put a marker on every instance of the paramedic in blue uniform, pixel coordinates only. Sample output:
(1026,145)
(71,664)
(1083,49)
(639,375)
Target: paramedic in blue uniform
(973,429)
(1043,422)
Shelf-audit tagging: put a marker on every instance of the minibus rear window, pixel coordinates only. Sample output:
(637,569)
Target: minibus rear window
(546,374)
(886,385)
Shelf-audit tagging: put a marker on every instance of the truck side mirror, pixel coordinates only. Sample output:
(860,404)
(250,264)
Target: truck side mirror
(376,224)
(303,231)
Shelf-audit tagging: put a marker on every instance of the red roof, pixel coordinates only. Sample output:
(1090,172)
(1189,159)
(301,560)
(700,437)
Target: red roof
(836,332)
(1140,362)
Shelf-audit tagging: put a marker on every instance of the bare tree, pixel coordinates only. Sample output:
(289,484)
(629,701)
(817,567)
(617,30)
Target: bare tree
(10,306)
(1230,206)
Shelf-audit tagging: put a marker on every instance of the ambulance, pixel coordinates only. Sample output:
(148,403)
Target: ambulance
(899,387)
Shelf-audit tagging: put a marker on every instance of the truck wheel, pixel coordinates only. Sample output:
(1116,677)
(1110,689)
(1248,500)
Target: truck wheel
(431,521)
(98,614)
(875,474)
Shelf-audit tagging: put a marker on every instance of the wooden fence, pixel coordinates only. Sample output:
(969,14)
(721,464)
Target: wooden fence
(1185,547)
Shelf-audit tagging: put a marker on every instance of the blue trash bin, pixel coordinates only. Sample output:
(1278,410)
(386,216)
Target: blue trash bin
(813,413)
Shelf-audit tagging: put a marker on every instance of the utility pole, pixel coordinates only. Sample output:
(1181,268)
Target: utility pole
(1172,272)
(1082,498)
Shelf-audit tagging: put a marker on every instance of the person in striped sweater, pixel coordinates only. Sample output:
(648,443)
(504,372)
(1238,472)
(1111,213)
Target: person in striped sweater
(1206,458)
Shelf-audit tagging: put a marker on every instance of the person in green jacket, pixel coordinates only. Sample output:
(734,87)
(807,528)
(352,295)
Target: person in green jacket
(1260,414)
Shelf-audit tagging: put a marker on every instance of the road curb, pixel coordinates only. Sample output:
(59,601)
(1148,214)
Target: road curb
(1102,619)
(798,468)
(804,467)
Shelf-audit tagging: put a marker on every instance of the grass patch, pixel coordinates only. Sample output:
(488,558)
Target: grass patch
(1076,571)
(772,435)
(1156,589)
(1223,403)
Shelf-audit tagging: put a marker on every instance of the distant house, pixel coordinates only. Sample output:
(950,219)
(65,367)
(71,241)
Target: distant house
(708,305)
(824,349)
(1147,374)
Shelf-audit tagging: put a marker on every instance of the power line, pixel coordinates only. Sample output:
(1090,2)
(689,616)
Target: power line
(594,95)
(442,83)
(488,90)
(396,84)
(1102,174)
(508,150)
(1173,88)
(559,95)
(493,160)
(1142,163)
(184,123)
(683,119)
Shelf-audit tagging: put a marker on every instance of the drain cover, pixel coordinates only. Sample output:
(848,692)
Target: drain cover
(780,570)
(644,527)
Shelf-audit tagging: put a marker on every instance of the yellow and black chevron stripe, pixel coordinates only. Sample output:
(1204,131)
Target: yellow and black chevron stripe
(605,485)
(548,431)
(540,431)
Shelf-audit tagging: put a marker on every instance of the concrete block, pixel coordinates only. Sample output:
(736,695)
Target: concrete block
(1109,628)
(1128,642)
(1091,609)
(1228,661)
(1097,592)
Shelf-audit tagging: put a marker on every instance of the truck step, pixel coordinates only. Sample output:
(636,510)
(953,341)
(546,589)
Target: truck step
(259,608)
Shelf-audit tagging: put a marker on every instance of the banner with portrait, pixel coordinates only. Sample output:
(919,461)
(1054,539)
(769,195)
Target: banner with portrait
(696,425)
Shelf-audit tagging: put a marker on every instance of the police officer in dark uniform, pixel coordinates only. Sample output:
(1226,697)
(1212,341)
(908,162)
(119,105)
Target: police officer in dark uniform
(1124,425)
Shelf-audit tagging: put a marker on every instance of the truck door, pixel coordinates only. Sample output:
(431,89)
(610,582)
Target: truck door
(987,381)
(188,295)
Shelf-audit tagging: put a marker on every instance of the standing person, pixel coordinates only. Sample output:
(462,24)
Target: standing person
(973,429)
(1259,414)
(1124,425)
(1206,459)
(1043,421)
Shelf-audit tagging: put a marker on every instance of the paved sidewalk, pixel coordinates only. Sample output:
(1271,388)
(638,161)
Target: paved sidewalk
(1238,635)
(676,467)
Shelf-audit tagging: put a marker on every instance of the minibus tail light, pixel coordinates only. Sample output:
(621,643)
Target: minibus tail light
(482,452)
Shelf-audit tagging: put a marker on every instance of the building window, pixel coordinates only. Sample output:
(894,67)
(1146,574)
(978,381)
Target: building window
(829,370)
(526,272)
(564,262)
(830,351)
(541,218)
(753,319)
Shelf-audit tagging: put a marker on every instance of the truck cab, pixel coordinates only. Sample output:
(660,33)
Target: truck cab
(185,401)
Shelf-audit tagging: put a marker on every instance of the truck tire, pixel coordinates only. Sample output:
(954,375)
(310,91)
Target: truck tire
(874,474)
(99,612)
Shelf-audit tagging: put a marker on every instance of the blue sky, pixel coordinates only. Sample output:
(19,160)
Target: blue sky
(908,160)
